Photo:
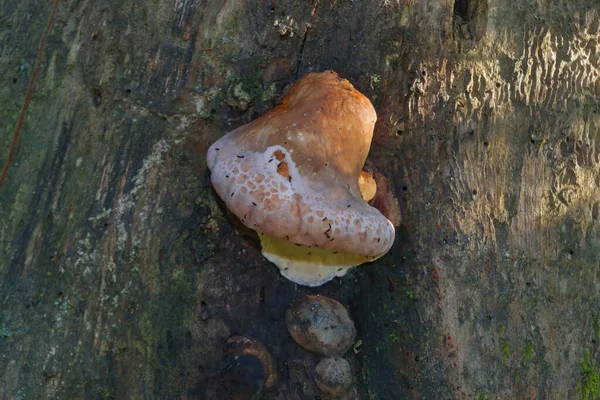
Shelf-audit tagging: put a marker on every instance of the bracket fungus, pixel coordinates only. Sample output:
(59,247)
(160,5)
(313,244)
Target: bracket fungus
(292,175)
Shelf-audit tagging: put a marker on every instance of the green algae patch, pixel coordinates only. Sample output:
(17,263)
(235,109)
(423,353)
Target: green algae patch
(528,353)
(589,383)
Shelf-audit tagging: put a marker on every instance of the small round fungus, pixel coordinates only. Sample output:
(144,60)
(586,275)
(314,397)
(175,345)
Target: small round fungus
(293,176)
(321,324)
(333,376)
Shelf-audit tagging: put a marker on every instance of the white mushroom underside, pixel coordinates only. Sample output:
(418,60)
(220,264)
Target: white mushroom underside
(307,265)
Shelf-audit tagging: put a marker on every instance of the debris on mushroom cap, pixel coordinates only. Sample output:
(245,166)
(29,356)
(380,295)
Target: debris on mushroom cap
(247,368)
(333,376)
(321,325)
(293,174)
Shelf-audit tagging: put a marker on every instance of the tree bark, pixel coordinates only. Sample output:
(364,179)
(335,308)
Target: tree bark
(121,275)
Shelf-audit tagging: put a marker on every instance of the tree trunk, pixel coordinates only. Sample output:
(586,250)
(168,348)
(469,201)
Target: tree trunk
(121,275)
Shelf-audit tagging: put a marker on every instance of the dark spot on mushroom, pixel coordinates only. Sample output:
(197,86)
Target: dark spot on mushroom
(216,148)
(232,193)
(324,219)
(348,206)
(254,204)
(227,176)
(339,269)
(286,268)
(240,156)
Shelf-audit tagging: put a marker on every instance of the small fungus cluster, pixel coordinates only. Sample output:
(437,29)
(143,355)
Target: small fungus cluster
(294,175)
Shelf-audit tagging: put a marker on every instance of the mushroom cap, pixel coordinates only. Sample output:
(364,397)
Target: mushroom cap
(333,376)
(321,324)
(293,172)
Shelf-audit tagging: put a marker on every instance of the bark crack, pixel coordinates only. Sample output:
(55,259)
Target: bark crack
(29,93)
(307,27)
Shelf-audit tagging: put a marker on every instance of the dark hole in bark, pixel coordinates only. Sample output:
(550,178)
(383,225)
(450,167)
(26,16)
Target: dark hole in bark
(470,19)
(97,97)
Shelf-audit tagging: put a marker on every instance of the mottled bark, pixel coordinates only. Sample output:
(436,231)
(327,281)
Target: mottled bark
(121,275)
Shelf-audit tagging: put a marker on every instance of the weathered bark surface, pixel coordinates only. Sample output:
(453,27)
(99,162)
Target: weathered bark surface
(121,276)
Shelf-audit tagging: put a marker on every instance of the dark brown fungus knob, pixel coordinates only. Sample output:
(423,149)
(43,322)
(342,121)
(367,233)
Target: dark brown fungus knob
(247,368)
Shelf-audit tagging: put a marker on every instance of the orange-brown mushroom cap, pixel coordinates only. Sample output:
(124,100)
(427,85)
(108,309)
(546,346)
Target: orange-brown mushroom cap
(293,172)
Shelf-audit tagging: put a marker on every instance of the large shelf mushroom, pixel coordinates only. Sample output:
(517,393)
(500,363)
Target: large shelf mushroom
(292,175)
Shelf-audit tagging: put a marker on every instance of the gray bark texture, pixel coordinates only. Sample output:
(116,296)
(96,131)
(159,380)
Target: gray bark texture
(122,276)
